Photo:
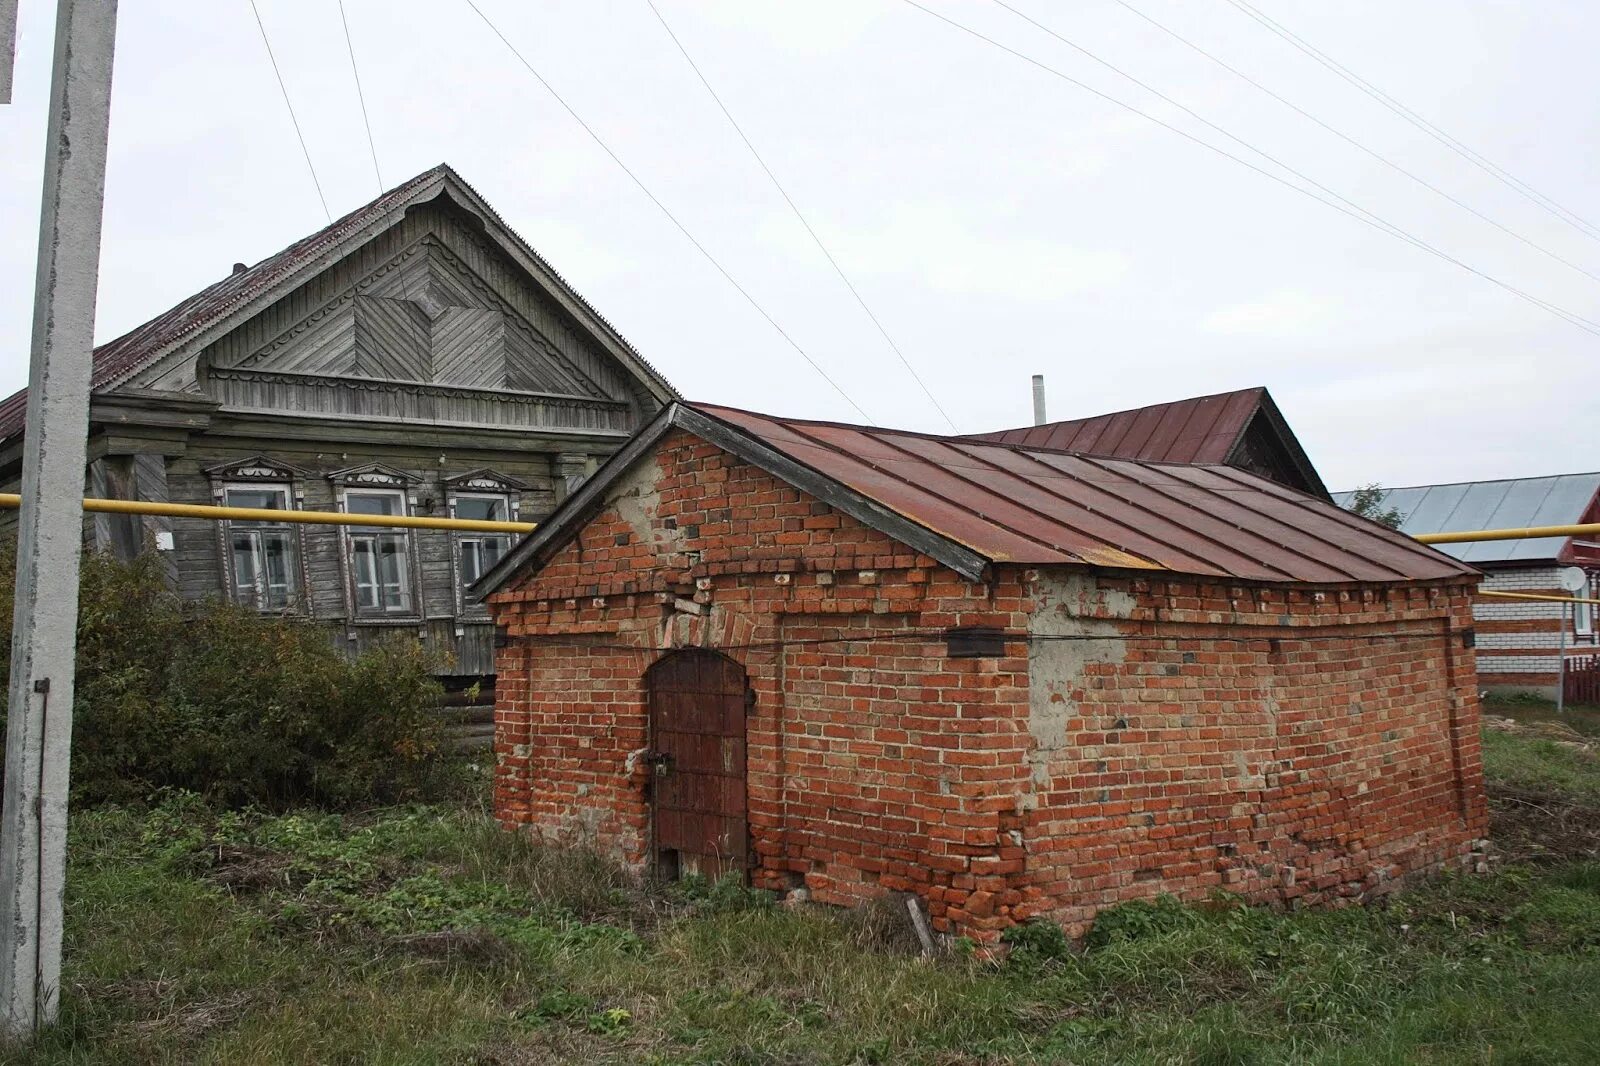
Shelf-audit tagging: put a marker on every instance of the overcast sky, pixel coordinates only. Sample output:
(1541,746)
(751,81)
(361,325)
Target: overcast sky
(999,221)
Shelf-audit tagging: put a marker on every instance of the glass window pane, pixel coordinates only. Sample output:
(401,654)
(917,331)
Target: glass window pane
(471,560)
(392,572)
(388,503)
(482,508)
(265,498)
(366,575)
(245,568)
(276,570)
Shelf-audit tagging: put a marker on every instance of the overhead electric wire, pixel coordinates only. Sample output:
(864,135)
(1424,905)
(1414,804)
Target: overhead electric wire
(690,237)
(1482,162)
(292,117)
(1385,160)
(798,214)
(361,97)
(1384,223)
(1360,214)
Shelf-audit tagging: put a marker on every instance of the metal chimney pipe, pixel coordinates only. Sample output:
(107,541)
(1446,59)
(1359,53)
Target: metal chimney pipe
(1038,400)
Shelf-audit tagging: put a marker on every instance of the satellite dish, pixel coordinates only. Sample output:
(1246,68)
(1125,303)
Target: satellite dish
(1573,578)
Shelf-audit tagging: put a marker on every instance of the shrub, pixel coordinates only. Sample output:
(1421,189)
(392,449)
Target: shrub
(216,699)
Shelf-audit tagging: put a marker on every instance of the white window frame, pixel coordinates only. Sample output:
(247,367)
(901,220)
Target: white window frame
(462,539)
(409,609)
(294,579)
(1583,613)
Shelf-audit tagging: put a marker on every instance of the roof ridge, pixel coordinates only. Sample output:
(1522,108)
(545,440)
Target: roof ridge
(1130,410)
(964,438)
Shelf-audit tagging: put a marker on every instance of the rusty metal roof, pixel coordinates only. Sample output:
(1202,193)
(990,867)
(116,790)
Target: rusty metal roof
(117,359)
(970,503)
(1035,505)
(1202,429)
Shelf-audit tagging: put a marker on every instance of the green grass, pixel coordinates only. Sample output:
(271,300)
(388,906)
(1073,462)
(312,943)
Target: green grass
(427,935)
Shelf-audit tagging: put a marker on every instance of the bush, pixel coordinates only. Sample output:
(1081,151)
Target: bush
(216,699)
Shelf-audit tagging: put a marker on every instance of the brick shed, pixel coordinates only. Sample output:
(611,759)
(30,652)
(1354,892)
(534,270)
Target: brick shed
(1012,681)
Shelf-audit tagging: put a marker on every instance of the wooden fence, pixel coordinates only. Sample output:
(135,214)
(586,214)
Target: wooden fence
(1583,680)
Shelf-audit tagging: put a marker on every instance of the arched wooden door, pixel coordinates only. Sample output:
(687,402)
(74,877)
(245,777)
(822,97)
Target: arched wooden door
(697,703)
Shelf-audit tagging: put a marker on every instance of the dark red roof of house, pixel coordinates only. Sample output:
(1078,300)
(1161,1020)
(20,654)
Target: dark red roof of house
(1243,428)
(1203,429)
(1036,505)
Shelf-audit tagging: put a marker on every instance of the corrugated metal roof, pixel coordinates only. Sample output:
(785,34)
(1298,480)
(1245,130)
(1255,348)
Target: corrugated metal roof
(1561,499)
(1202,429)
(117,359)
(1038,506)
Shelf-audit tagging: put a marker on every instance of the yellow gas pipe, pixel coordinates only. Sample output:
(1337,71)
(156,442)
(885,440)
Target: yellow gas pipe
(1526,533)
(266,514)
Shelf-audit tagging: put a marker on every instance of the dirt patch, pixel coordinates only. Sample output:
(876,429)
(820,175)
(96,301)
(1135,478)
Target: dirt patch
(1541,826)
(246,868)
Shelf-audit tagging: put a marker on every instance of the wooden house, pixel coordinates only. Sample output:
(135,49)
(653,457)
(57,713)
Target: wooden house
(415,357)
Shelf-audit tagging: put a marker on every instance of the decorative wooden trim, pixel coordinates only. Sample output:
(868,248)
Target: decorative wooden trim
(255,468)
(485,479)
(378,476)
(254,471)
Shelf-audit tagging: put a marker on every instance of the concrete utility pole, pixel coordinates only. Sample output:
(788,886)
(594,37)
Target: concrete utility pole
(8,47)
(33,819)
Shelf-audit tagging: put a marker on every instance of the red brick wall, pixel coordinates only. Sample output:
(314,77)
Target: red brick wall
(1286,745)
(876,763)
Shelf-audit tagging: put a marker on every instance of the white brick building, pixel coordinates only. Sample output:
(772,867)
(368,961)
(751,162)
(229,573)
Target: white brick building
(1518,640)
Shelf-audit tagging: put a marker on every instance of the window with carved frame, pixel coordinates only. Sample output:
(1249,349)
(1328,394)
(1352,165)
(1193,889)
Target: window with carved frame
(483,496)
(380,563)
(260,556)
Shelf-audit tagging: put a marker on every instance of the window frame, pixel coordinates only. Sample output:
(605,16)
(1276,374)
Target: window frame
(256,474)
(378,481)
(481,489)
(1583,627)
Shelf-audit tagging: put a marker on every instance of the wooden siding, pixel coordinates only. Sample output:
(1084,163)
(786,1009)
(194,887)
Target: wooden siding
(368,315)
(199,552)
(397,401)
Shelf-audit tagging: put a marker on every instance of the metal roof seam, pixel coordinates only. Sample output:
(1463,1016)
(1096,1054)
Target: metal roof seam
(1027,507)
(821,443)
(1128,500)
(1097,460)
(1341,517)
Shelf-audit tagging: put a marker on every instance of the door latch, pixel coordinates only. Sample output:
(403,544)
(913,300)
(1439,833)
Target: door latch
(659,761)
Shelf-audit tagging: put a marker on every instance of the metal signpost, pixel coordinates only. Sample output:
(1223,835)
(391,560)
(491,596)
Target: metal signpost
(33,819)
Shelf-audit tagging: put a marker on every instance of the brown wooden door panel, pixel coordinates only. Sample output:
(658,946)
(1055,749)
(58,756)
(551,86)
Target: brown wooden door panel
(699,794)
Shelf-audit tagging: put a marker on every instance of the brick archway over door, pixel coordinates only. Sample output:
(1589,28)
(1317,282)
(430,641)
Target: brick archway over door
(698,700)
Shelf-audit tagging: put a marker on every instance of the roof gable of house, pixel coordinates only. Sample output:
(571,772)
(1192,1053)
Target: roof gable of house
(1243,429)
(1511,503)
(431,327)
(970,504)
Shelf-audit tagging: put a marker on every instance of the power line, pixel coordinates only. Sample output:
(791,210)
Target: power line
(751,300)
(1381,222)
(1360,214)
(292,118)
(361,96)
(1478,160)
(799,215)
(1385,160)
